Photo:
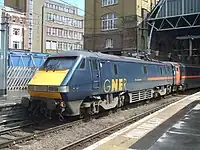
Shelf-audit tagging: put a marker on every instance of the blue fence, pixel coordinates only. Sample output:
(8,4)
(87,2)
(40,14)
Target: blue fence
(26,59)
(21,67)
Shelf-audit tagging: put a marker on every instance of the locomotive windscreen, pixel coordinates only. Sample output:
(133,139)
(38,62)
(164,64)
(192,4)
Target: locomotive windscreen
(58,63)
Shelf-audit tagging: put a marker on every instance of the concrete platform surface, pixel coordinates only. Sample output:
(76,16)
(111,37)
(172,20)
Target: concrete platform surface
(12,98)
(178,133)
(149,132)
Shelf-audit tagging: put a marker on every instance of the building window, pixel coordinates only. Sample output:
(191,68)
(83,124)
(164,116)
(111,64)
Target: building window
(49,16)
(16,31)
(48,31)
(70,46)
(109,21)
(53,45)
(109,43)
(48,44)
(109,2)
(65,46)
(70,34)
(59,46)
(60,32)
(16,44)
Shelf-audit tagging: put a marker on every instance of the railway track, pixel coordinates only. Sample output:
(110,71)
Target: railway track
(108,131)
(29,131)
(10,114)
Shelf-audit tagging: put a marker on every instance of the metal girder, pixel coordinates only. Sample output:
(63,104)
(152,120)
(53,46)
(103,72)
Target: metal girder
(179,14)
(180,22)
(157,7)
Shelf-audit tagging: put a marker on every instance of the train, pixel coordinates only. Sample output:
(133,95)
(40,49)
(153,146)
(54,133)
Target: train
(81,83)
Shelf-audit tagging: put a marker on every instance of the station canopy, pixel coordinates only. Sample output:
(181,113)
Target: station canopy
(175,14)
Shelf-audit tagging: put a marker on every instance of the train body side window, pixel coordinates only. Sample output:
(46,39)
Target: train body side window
(82,66)
(145,69)
(115,69)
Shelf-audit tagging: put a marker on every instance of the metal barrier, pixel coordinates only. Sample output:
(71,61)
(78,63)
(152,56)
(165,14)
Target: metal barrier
(21,67)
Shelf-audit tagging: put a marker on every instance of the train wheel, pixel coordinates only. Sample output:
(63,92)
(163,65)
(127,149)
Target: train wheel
(126,101)
(121,101)
(156,95)
(86,113)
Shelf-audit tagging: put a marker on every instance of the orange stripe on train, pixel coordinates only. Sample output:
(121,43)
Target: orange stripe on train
(170,78)
(190,77)
(159,78)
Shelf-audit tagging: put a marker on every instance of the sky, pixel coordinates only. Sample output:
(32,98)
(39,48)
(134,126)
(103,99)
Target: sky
(78,3)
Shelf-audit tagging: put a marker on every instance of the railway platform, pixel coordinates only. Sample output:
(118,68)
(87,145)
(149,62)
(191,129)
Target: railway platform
(12,98)
(173,127)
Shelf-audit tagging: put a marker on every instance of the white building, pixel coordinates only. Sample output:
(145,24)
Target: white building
(63,29)
(17,29)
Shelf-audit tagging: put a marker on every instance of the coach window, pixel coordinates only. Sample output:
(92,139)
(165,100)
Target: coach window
(82,66)
(169,69)
(115,69)
(161,70)
(166,72)
(145,69)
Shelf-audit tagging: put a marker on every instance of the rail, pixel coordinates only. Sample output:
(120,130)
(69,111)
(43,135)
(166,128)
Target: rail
(114,128)
(20,135)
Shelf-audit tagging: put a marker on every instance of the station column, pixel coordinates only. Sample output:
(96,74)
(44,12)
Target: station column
(3,54)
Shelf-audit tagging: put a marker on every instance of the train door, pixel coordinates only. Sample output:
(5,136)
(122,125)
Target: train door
(95,73)
(178,74)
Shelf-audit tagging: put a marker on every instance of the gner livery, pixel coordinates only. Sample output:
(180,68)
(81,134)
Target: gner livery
(81,82)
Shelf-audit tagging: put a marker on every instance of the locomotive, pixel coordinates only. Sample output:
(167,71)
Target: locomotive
(76,83)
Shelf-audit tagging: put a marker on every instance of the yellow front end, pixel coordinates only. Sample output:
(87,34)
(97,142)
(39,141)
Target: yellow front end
(44,79)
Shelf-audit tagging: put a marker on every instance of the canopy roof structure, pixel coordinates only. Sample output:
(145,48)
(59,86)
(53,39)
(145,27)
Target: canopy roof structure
(175,28)
(175,14)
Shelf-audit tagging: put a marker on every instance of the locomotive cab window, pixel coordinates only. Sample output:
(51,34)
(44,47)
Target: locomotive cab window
(82,65)
(94,64)
(58,63)
(115,69)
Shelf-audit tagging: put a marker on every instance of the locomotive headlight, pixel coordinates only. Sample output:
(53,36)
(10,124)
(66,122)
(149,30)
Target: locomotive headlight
(53,89)
(62,89)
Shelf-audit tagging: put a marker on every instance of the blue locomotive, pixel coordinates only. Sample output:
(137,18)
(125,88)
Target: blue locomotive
(81,82)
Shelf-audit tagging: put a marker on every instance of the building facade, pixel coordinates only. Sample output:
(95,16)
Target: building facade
(63,27)
(52,26)
(116,26)
(17,36)
(19,5)
(33,11)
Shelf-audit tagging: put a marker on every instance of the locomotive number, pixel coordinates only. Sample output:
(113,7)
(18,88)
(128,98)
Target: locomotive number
(114,85)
